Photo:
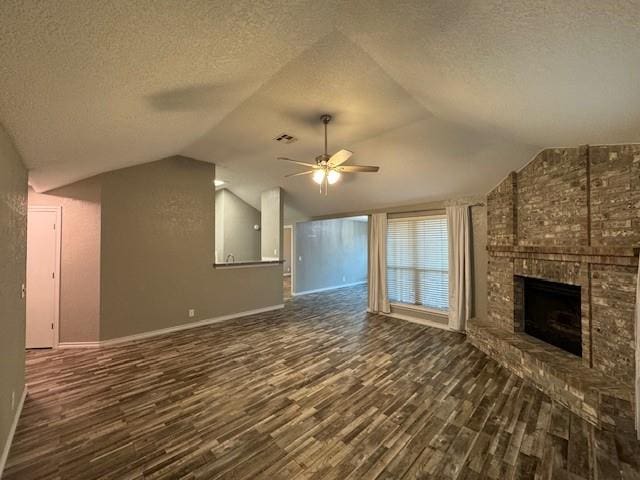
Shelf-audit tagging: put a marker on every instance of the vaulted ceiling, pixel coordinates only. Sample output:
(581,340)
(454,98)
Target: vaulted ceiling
(445,96)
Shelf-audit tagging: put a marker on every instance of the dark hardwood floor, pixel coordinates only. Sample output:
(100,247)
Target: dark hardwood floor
(319,390)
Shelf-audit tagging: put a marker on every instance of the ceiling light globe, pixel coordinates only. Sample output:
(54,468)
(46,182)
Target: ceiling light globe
(333,177)
(318,176)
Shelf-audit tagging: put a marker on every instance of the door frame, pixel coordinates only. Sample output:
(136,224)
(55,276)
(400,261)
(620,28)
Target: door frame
(56,281)
(290,227)
(292,276)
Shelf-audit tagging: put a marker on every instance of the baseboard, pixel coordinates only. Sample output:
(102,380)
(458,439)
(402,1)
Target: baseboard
(420,321)
(12,431)
(187,326)
(78,344)
(325,289)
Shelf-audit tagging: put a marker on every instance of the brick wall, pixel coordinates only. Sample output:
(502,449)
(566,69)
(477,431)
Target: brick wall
(501,212)
(500,291)
(615,195)
(613,294)
(566,217)
(552,199)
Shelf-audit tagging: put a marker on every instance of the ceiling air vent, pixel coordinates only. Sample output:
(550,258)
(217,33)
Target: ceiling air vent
(285,138)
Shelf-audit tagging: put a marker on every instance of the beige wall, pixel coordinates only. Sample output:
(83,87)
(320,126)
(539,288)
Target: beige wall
(80,258)
(158,251)
(272,222)
(480,259)
(13,243)
(235,232)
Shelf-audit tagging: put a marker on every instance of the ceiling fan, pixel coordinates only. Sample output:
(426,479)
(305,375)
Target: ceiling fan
(328,168)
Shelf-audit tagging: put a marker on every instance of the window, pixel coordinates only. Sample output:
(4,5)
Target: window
(418,262)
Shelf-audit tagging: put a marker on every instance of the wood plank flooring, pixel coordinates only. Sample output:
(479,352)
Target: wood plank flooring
(319,390)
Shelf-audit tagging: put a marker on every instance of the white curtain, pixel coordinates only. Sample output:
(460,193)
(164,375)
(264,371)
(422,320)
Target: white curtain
(638,356)
(378,300)
(459,267)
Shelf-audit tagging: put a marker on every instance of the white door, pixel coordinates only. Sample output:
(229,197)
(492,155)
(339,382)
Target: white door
(41,282)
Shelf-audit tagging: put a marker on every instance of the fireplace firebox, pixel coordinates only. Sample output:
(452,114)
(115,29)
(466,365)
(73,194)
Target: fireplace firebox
(552,313)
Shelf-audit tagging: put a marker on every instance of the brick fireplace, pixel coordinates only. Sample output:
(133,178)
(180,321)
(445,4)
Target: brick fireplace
(550,311)
(569,219)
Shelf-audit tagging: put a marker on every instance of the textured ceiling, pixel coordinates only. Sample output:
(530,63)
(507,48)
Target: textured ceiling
(446,97)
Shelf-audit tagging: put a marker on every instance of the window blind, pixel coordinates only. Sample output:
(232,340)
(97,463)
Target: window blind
(418,261)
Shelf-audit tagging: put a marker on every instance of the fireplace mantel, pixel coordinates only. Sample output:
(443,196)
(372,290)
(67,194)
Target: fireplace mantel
(625,256)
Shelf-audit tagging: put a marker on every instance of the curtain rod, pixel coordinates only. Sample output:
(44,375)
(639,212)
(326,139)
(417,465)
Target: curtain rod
(367,213)
(480,204)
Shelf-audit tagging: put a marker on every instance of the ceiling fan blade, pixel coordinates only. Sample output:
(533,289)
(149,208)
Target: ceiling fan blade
(296,161)
(298,174)
(357,168)
(339,158)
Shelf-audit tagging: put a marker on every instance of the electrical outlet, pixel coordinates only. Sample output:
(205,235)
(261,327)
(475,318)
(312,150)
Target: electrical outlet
(300,258)
(192,313)
(275,251)
(23,291)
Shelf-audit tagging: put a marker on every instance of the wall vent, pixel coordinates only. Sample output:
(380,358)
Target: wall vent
(285,138)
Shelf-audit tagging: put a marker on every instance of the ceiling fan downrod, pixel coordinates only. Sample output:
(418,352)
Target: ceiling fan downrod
(328,168)
(326,118)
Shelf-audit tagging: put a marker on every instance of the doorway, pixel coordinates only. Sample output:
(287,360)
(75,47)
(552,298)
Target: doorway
(43,276)
(330,254)
(287,266)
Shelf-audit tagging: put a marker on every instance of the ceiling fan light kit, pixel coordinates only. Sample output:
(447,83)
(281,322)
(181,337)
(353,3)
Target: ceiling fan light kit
(332,176)
(328,168)
(318,176)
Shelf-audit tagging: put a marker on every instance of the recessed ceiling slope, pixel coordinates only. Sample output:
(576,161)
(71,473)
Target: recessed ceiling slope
(422,157)
(89,86)
(446,97)
(550,73)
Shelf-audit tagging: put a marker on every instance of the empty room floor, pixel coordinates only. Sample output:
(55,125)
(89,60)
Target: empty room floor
(317,390)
